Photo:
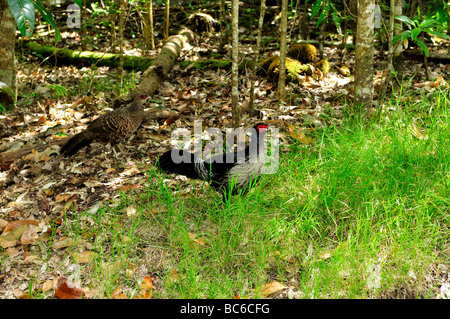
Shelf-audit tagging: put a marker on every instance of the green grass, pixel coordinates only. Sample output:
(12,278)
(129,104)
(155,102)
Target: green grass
(363,197)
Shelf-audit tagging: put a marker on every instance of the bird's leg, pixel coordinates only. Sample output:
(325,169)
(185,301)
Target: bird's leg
(121,152)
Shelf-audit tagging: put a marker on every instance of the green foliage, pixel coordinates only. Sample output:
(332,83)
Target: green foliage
(8,97)
(436,9)
(23,12)
(415,29)
(329,8)
(59,91)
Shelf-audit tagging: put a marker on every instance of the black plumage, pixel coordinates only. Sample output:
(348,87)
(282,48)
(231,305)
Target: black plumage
(234,169)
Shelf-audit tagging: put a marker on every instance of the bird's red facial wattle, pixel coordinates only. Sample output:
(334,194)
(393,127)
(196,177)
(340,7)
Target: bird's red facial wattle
(142,97)
(261,128)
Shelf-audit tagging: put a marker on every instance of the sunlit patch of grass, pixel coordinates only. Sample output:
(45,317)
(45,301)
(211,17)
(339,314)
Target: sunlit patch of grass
(362,213)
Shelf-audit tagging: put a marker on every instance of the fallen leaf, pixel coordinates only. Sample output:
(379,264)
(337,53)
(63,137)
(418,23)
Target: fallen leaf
(130,172)
(17,223)
(48,191)
(192,236)
(131,211)
(169,121)
(146,288)
(29,236)
(112,267)
(62,198)
(30,156)
(11,239)
(47,285)
(174,276)
(70,205)
(66,242)
(155,211)
(42,157)
(95,208)
(270,288)
(297,134)
(129,187)
(117,294)
(440,82)
(130,270)
(126,239)
(3,224)
(93,183)
(59,136)
(110,170)
(445,290)
(17,293)
(84,257)
(198,241)
(67,290)
(12,252)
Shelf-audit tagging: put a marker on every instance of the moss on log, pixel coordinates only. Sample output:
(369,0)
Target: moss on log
(58,56)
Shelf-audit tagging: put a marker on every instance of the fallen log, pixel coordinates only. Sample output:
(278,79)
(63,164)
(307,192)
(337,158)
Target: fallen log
(58,56)
(164,62)
(433,57)
(153,77)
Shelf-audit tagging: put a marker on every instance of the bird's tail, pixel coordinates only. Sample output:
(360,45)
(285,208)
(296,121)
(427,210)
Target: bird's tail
(75,143)
(184,163)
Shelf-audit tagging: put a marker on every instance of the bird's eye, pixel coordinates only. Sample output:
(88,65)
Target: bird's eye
(142,97)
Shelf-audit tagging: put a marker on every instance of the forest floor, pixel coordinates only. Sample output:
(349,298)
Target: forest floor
(114,227)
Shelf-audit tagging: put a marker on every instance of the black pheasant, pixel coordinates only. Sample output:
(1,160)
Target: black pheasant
(113,127)
(219,170)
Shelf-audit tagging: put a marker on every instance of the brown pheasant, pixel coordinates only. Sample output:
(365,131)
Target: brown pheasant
(110,127)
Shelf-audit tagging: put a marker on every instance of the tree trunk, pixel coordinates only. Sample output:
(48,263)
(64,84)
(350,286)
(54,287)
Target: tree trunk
(281,90)
(147,34)
(397,58)
(112,17)
(448,21)
(304,23)
(223,25)
(150,25)
(166,20)
(236,110)
(322,33)
(412,9)
(251,105)
(364,55)
(164,62)
(7,64)
(425,59)
(83,33)
(353,8)
(390,36)
(121,28)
